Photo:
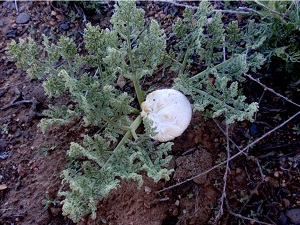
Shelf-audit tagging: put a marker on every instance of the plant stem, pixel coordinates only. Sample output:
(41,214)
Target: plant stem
(135,124)
(194,78)
(135,79)
(186,56)
(138,90)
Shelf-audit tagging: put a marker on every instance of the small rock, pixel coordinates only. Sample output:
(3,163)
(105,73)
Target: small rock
(253,130)
(17,134)
(239,178)
(273,182)
(64,26)
(1,23)
(286,202)
(47,10)
(47,30)
(127,89)
(55,211)
(59,17)
(276,174)
(175,212)
(3,187)
(10,71)
(294,215)
(3,144)
(147,189)
(151,13)
(26,134)
(238,170)
(22,18)
(283,218)
(147,205)
(52,23)
(175,11)
(121,82)
(21,171)
(209,20)
(11,34)
(80,32)
(4,155)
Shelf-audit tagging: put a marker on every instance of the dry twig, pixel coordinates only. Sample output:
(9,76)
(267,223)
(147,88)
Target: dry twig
(271,90)
(223,197)
(244,217)
(13,85)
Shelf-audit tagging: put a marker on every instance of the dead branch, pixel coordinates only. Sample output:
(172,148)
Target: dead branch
(223,196)
(13,85)
(271,90)
(244,217)
(18,103)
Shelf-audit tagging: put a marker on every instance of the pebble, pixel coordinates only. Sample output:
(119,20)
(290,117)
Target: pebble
(1,23)
(121,82)
(65,26)
(276,174)
(294,215)
(175,212)
(22,18)
(26,134)
(286,202)
(175,11)
(47,10)
(3,144)
(10,71)
(52,22)
(21,171)
(253,130)
(4,155)
(17,133)
(55,211)
(3,186)
(283,218)
(147,189)
(47,30)
(11,33)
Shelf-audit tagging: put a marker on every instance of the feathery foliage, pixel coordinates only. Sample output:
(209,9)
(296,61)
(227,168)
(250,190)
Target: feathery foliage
(280,25)
(216,88)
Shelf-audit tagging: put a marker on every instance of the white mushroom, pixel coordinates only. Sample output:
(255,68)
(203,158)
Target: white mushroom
(169,110)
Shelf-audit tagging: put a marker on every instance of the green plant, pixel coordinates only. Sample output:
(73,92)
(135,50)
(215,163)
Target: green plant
(47,202)
(206,40)
(86,5)
(46,149)
(133,50)
(4,129)
(280,22)
(296,129)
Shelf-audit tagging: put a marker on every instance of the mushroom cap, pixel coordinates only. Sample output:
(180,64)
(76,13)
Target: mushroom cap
(169,110)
